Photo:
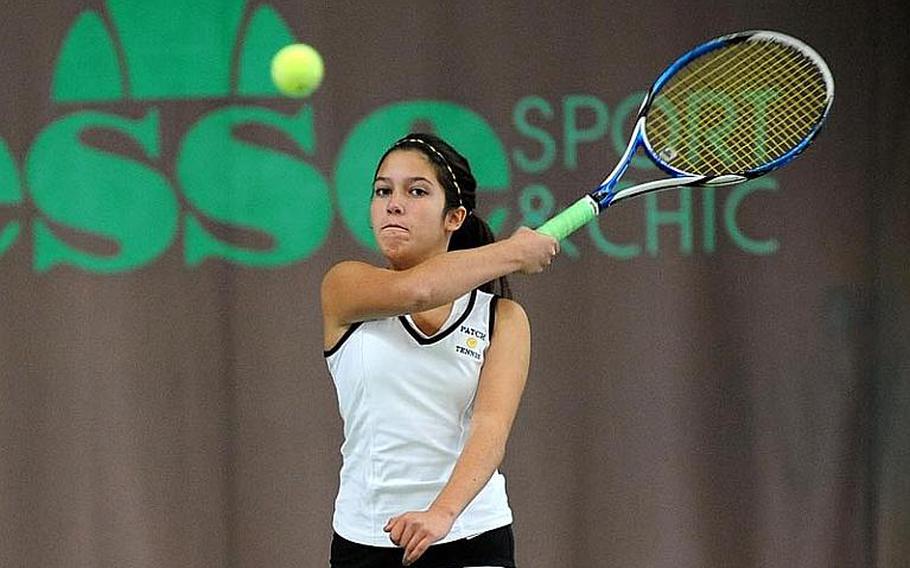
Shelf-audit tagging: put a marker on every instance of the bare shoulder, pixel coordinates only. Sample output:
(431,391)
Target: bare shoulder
(355,291)
(510,316)
(336,284)
(505,368)
(346,277)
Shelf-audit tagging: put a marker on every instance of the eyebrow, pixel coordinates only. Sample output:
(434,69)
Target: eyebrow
(409,180)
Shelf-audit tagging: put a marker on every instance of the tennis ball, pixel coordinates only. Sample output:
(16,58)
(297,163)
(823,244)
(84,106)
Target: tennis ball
(297,70)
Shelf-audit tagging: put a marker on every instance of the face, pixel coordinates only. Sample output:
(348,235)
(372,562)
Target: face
(407,207)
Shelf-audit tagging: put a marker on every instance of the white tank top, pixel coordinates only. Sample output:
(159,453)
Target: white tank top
(406,400)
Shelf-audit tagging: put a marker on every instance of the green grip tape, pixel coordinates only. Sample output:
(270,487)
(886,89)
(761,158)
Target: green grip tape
(570,220)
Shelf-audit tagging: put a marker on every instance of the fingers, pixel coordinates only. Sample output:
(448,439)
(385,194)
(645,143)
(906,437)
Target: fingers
(401,530)
(536,251)
(394,527)
(549,248)
(546,258)
(554,250)
(414,551)
(411,535)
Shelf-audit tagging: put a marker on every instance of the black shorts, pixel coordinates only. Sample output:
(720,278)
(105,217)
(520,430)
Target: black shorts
(492,548)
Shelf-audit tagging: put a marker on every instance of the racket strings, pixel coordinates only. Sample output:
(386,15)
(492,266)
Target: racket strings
(767,61)
(713,133)
(790,122)
(737,108)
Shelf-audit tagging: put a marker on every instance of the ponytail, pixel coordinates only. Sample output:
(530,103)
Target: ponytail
(474,232)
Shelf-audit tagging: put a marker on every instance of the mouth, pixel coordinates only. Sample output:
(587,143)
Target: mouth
(394,226)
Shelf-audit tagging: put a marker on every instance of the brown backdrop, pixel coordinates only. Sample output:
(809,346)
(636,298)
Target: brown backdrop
(703,405)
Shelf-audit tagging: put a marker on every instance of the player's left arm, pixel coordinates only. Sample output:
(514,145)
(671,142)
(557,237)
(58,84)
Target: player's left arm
(502,381)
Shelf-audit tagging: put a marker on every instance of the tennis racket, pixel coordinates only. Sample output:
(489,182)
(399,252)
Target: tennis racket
(732,109)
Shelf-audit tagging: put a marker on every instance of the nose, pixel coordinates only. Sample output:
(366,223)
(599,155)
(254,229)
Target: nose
(393,206)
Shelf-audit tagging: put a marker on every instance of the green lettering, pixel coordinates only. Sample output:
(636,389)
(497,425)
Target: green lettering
(10,194)
(731,207)
(760,99)
(573,134)
(682,217)
(709,222)
(605,246)
(99,193)
(249,187)
(520,118)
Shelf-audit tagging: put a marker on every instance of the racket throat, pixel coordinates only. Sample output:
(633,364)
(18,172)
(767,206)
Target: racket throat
(609,183)
(727,179)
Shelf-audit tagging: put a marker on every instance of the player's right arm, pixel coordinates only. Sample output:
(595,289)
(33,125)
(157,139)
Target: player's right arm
(356,291)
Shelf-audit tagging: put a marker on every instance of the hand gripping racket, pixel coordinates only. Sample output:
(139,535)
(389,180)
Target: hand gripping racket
(732,109)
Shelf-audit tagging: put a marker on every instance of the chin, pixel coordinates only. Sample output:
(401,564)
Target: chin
(400,256)
(395,251)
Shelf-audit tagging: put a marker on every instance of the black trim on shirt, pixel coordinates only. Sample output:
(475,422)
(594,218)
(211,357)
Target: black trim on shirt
(419,337)
(344,338)
(493,301)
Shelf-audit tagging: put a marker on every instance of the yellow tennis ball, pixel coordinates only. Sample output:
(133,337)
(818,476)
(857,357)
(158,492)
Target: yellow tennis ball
(297,70)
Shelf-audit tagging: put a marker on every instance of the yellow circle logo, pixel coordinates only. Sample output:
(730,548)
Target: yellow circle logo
(471,342)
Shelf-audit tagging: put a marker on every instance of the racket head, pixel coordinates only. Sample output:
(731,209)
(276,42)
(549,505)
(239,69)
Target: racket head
(736,107)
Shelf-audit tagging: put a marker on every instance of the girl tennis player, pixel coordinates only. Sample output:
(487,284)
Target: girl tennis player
(429,366)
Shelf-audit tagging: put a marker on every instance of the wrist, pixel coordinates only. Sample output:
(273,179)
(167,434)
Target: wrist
(507,252)
(444,509)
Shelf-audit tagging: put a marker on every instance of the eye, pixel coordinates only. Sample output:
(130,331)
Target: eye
(381,191)
(418,191)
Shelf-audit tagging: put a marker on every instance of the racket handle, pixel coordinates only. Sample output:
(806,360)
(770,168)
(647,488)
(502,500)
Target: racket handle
(570,220)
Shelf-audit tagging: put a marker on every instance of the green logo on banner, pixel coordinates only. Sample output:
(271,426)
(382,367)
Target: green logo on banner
(172,51)
(169,50)
(109,199)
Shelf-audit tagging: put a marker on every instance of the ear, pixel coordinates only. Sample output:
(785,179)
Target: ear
(455,218)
